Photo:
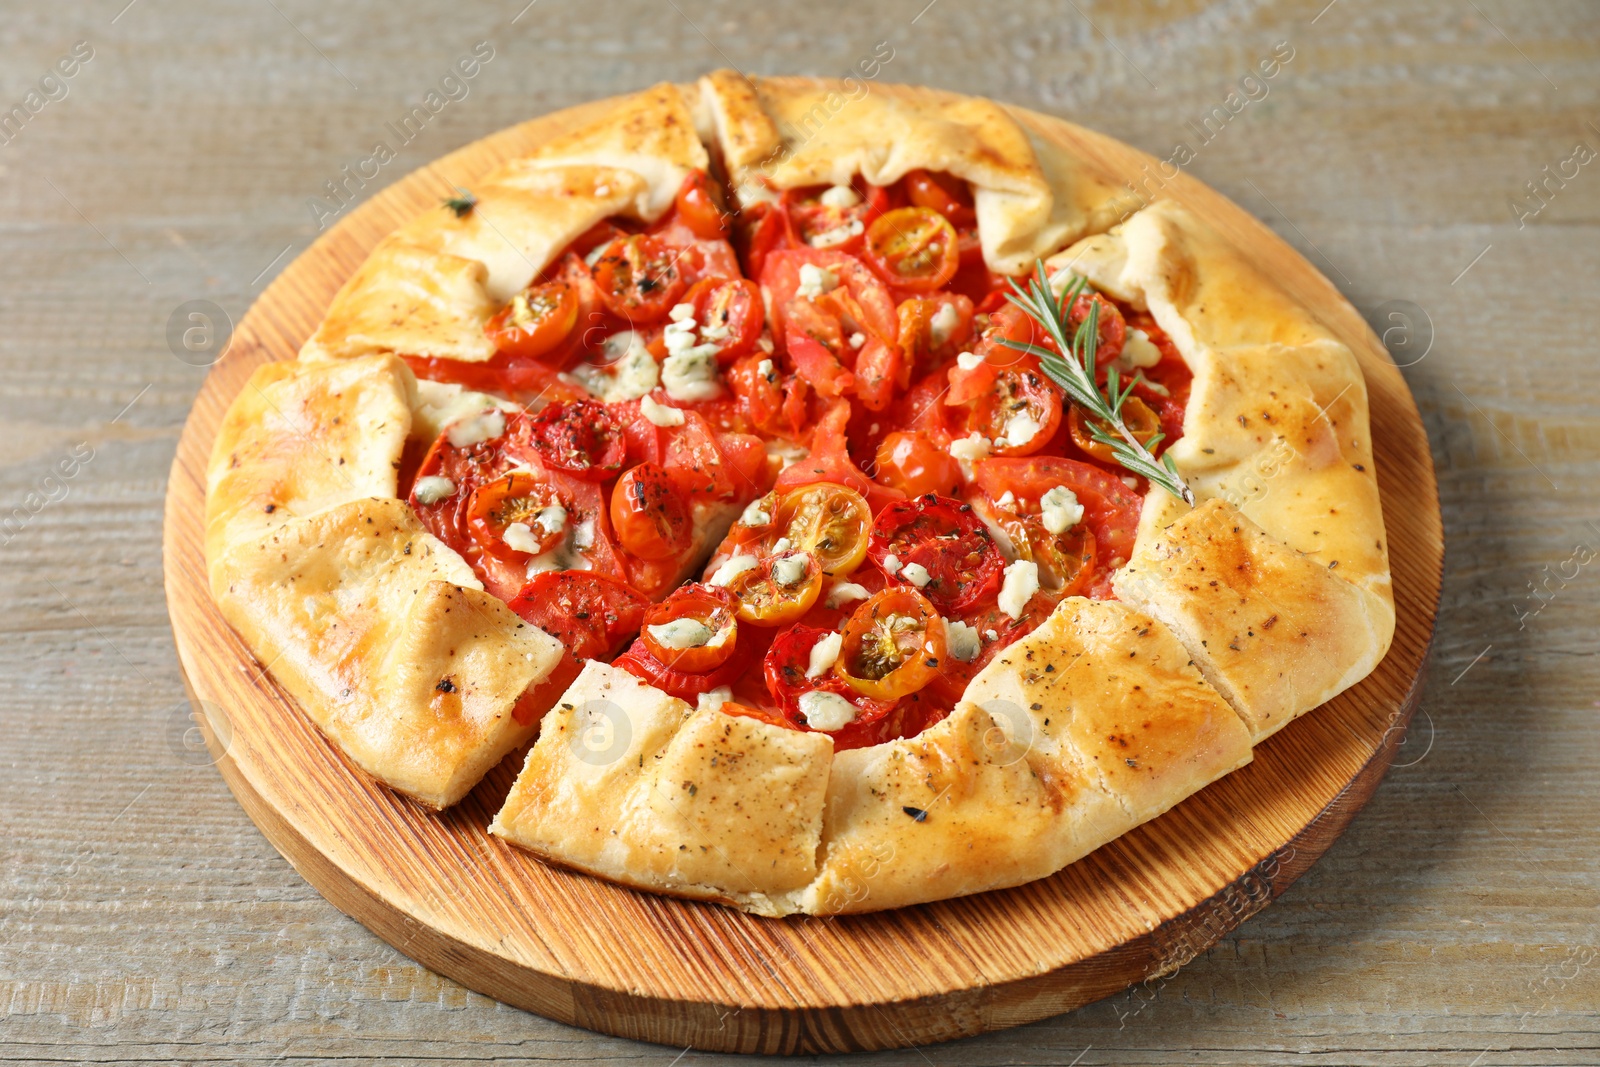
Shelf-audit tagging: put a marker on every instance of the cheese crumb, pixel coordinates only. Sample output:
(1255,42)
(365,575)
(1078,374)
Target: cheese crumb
(858,339)
(969,361)
(713,699)
(1020,429)
(691,374)
(755,515)
(790,569)
(814,281)
(1138,351)
(824,654)
(660,414)
(991,635)
(891,564)
(826,711)
(971,448)
(1021,582)
(681,633)
(961,640)
(434,488)
(916,574)
(846,592)
(482,427)
(942,325)
(838,235)
(839,196)
(1007,500)
(767,370)
(519,537)
(553,519)
(1061,510)
(733,567)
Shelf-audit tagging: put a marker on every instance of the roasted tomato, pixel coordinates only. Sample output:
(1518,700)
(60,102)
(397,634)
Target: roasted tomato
(827,521)
(589,614)
(777,589)
(1066,557)
(537,320)
(913,248)
(516,517)
(856,292)
(1141,421)
(894,644)
(910,462)
(933,329)
(945,193)
(1111,509)
(651,516)
(729,313)
(693,630)
(639,278)
(949,554)
(699,205)
(1112,329)
(832,217)
(1020,413)
(790,678)
(774,403)
(582,437)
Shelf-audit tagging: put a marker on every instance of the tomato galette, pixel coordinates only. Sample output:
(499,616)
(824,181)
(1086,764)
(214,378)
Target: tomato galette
(857,511)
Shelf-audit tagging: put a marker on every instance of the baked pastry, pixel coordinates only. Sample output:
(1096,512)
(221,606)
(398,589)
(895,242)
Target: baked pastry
(858,509)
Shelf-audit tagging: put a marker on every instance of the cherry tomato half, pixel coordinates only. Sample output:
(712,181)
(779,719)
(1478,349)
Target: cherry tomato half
(581,437)
(589,614)
(699,205)
(943,538)
(827,521)
(729,313)
(785,669)
(1066,560)
(894,644)
(778,589)
(536,321)
(1019,413)
(639,278)
(945,193)
(693,630)
(516,516)
(1141,419)
(651,516)
(910,462)
(832,217)
(913,248)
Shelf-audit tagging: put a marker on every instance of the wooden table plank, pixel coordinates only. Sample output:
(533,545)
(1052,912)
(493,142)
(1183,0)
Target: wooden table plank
(142,917)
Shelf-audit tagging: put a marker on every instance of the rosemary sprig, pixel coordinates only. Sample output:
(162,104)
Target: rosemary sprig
(461,204)
(1074,370)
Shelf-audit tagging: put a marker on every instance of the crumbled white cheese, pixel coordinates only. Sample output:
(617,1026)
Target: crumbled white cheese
(969,361)
(553,519)
(1020,429)
(1061,510)
(1138,352)
(679,334)
(943,324)
(823,655)
(991,635)
(635,371)
(839,196)
(680,312)
(962,640)
(765,344)
(583,535)
(434,488)
(519,537)
(790,569)
(815,280)
(681,633)
(971,448)
(484,426)
(755,515)
(826,711)
(783,545)
(846,592)
(691,374)
(713,699)
(858,339)
(732,567)
(1021,582)
(660,414)
(767,370)
(838,235)
(1007,500)
(891,564)
(916,574)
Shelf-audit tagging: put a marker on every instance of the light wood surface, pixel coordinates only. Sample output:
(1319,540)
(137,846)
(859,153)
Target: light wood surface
(681,973)
(144,919)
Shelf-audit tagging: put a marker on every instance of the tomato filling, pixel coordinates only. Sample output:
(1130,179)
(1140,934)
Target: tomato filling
(834,372)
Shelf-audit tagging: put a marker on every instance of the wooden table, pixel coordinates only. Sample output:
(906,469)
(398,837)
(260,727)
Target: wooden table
(144,919)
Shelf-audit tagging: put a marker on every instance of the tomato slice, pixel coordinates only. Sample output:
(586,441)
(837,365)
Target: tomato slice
(582,437)
(958,562)
(913,248)
(1111,509)
(651,516)
(699,205)
(785,668)
(894,644)
(828,521)
(589,614)
(910,462)
(693,630)
(778,589)
(1141,420)
(516,517)
(729,313)
(945,193)
(772,402)
(1007,323)
(537,320)
(639,278)
(1020,413)
(833,217)
(1066,560)
(1112,329)
(933,329)
(815,342)
(780,279)
(829,461)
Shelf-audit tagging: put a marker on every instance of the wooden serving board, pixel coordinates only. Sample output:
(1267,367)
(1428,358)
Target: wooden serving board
(580,950)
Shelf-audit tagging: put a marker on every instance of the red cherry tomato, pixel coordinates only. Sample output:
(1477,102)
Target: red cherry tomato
(1111,509)
(893,645)
(945,539)
(536,321)
(773,403)
(729,313)
(913,248)
(819,217)
(913,464)
(505,517)
(785,668)
(639,278)
(652,518)
(581,437)
(589,614)
(685,685)
(945,193)
(693,630)
(1020,413)
(699,205)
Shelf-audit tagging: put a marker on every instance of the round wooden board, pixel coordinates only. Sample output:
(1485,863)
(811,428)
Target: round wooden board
(573,948)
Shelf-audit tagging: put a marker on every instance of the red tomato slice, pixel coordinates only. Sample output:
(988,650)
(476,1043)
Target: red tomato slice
(651,516)
(780,278)
(589,614)
(1110,508)
(785,669)
(639,278)
(582,437)
(769,401)
(947,540)
(829,461)
(815,223)
(813,343)
(729,313)
(880,372)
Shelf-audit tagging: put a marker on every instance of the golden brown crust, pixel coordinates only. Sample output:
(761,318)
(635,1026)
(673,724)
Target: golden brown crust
(299,439)
(385,638)
(1271,628)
